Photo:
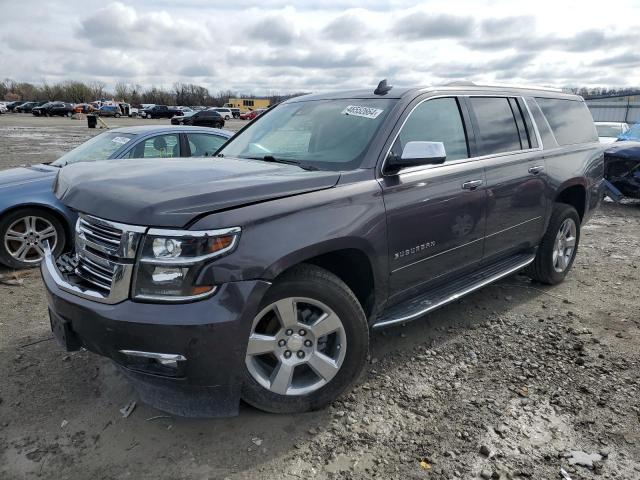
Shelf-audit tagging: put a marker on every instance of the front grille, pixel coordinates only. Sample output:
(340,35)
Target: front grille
(105,255)
(91,271)
(105,236)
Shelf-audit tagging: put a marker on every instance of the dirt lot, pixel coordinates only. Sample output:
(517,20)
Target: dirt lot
(515,381)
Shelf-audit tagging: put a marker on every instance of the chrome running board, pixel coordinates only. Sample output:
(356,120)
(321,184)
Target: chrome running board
(440,296)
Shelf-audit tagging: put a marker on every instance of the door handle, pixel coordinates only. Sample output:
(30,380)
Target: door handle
(536,170)
(471,184)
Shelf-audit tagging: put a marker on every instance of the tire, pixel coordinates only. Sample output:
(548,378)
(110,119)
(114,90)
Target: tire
(304,284)
(226,117)
(544,268)
(12,222)
(117,115)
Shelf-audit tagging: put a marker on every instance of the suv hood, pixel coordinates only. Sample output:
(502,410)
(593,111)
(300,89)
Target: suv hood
(173,192)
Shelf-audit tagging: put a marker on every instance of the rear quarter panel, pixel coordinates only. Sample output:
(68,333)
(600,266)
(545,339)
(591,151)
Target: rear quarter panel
(576,165)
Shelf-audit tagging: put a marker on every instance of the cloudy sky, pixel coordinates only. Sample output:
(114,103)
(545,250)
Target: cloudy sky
(274,46)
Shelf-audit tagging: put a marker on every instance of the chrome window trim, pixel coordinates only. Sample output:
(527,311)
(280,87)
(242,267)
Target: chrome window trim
(460,160)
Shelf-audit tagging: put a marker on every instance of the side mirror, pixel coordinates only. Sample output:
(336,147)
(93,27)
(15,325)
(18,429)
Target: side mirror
(420,153)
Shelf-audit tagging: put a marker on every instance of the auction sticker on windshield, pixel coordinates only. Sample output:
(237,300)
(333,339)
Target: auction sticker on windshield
(121,140)
(360,111)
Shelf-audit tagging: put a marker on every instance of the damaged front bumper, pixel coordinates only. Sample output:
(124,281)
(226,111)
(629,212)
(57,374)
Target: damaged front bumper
(186,359)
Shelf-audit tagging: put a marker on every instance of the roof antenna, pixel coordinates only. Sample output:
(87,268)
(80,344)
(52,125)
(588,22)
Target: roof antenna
(382,88)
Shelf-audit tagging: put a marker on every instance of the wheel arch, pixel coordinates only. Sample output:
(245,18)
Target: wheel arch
(573,193)
(351,260)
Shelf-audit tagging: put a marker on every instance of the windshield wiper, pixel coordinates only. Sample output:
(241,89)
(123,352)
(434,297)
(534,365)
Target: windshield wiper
(271,158)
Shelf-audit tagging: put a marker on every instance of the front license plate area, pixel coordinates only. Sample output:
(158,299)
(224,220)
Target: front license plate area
(63,333)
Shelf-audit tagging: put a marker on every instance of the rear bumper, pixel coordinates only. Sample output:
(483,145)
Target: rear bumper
(211,335)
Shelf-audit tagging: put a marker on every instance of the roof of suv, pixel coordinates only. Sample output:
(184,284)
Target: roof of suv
(467,87)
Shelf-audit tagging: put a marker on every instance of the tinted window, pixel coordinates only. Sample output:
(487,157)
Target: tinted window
(161,146)
(203,145)
(533,140)
(548,140)
(570,120)
(497,126)
(437,120)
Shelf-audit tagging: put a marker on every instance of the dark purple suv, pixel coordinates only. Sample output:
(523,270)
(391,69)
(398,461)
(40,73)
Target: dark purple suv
(258,274)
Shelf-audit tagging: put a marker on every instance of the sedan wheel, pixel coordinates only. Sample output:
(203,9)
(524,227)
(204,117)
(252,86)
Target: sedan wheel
(25,238)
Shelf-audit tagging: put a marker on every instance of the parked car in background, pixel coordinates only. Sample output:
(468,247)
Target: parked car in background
(29,212)
(11,106)
(3,108)
(235,112)
(203,118)
(185,110)
(109,111)
(161,111)
(259,275)
(28,106)
(622,167)
(608,132)
(54,109)
(250,115)
(225,113)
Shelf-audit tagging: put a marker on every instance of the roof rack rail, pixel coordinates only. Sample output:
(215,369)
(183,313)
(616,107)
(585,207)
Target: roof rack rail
(468,83)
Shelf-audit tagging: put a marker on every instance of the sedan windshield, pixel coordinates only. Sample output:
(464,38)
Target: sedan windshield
(99,147)
(325,134)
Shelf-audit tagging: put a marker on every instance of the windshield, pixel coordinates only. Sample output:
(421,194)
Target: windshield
(632,134)
(326,134)
(608,130)
(99,147)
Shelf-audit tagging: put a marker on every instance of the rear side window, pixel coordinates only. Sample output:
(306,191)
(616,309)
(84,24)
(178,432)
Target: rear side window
(570,120)
(204,145)
(436,120)
(497,127)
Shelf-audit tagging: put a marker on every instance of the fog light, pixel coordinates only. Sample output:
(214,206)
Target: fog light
(168,360)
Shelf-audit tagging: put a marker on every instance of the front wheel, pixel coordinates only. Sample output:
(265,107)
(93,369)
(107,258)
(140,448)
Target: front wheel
(23,234)
(558,248)
(307,345)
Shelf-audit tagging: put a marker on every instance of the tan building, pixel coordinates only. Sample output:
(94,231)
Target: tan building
(247,104)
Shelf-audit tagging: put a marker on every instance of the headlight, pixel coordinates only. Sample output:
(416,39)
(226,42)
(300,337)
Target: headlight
(170,261)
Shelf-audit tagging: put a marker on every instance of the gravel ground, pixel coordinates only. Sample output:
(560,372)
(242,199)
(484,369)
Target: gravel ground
(515,381)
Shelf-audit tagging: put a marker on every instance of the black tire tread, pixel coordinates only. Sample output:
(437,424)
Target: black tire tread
(540,269)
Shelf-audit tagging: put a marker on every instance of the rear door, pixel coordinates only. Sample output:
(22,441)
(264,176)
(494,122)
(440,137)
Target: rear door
(515,174)
(435,213)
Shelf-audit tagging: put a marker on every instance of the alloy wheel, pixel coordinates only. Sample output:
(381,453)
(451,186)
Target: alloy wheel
(24,239)
(564,245)
(296,346)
